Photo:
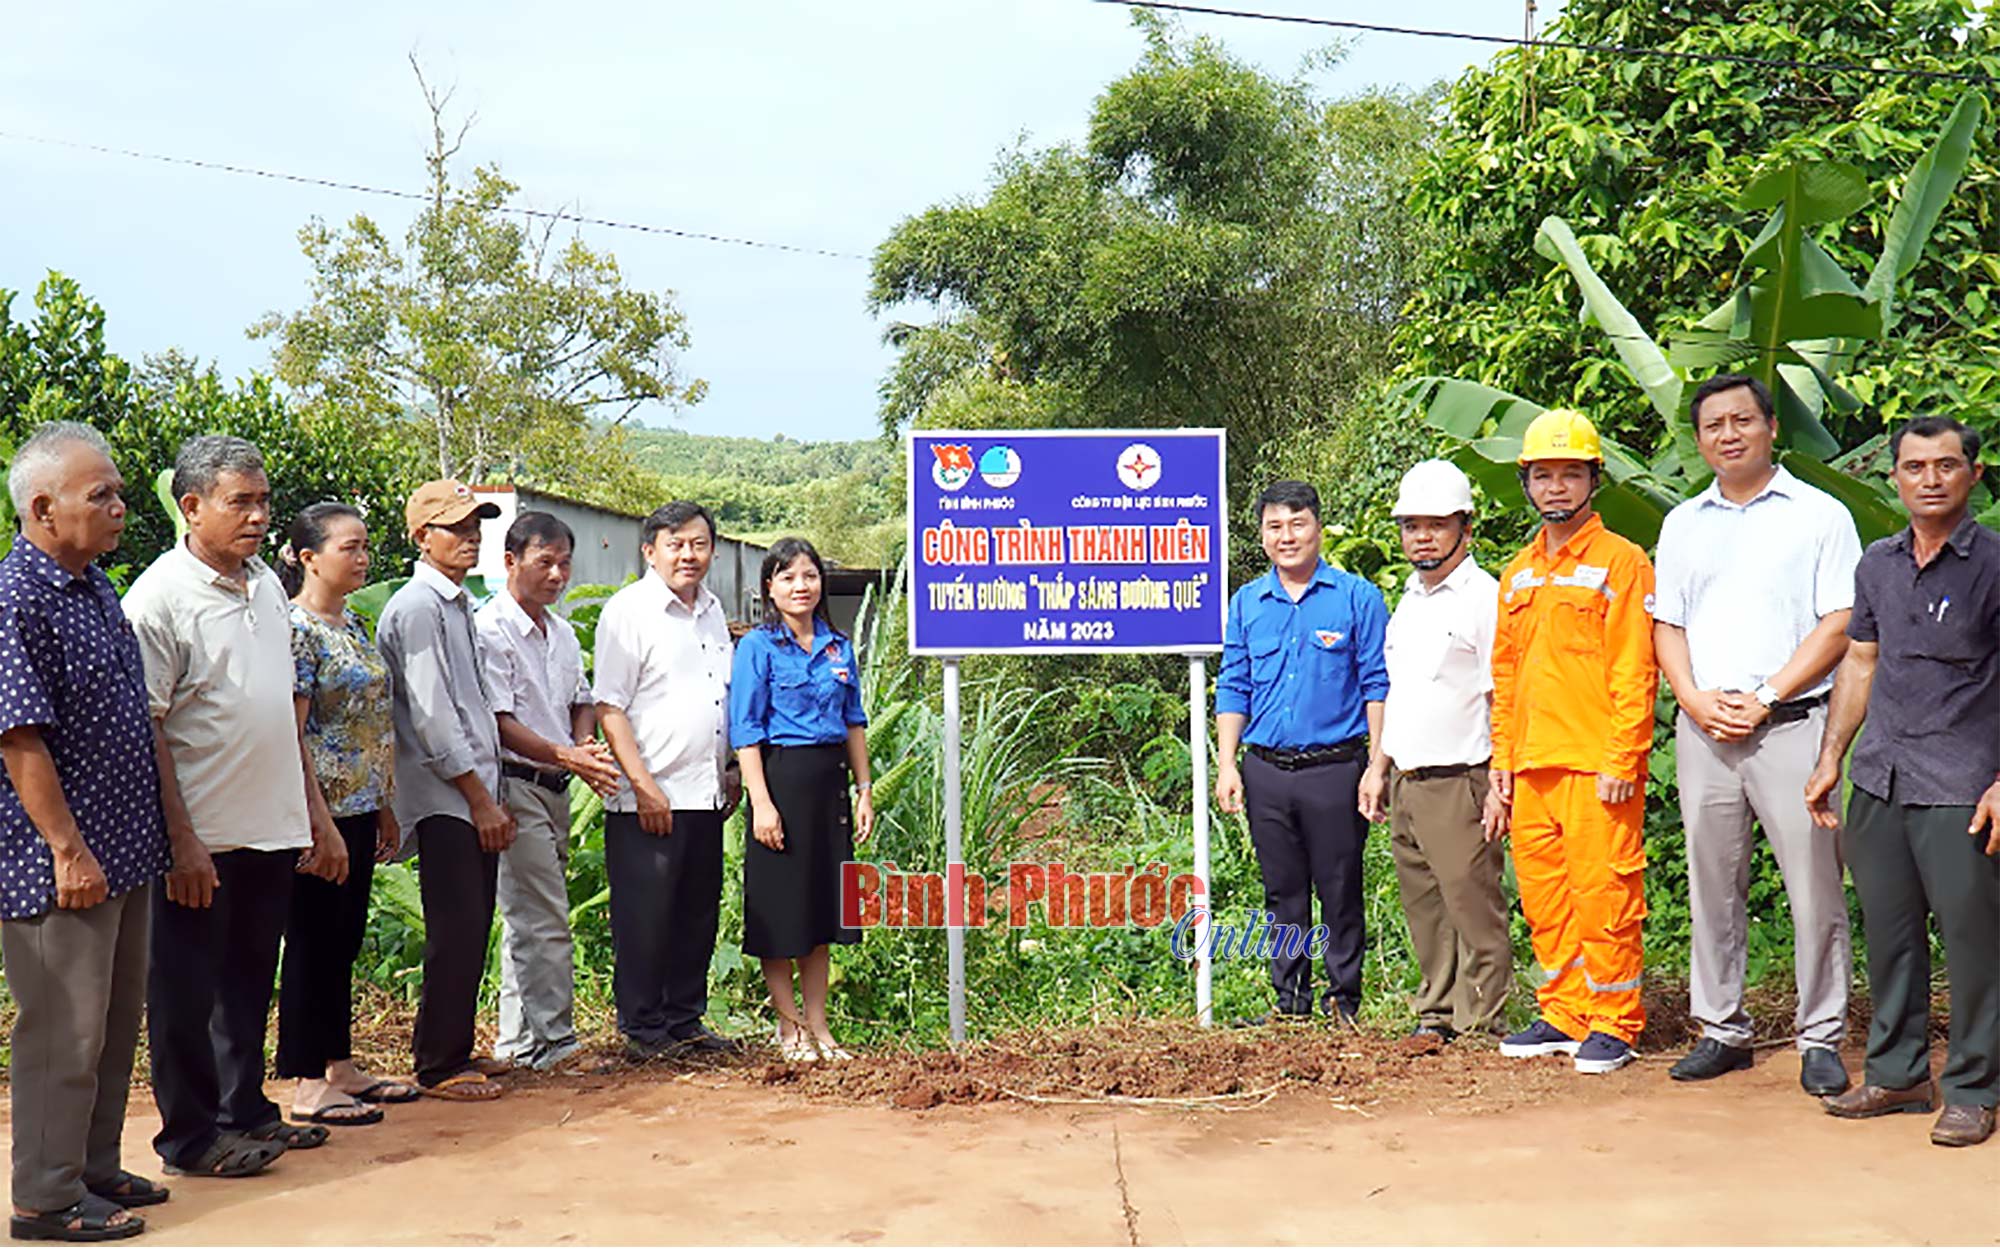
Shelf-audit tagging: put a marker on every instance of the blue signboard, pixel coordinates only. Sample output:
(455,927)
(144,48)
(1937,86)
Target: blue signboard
(1053,541)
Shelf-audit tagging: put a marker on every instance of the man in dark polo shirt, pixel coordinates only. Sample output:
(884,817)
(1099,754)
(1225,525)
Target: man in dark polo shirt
(1302,684)
(1924,671)
(82,839)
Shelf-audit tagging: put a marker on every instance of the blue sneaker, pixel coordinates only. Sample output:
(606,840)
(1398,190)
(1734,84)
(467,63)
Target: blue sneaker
(1600,1053)
(1543,1038)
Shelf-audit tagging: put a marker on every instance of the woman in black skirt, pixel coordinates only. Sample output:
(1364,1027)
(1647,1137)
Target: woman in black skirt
(795,720)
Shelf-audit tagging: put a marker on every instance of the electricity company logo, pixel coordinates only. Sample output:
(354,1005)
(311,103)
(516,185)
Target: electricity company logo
(1139,467)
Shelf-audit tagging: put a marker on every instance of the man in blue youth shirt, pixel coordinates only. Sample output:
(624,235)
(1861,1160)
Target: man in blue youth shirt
(1301,686)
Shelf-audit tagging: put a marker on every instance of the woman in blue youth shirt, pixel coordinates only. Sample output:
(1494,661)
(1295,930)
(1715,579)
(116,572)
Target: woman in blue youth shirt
(795,720)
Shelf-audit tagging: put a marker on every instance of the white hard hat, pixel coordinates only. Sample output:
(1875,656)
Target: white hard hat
(1433,488)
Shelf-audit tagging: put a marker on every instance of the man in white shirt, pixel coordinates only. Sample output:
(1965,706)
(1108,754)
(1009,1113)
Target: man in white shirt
(663,658)
(1756,582)
(1436,743)
(243,813)
(548,734)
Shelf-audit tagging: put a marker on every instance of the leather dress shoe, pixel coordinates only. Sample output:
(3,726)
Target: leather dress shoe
(1821,1072)
(1711,1058)
(1963,1125)
(701,1040)
(1870,1100)
(1444,1032)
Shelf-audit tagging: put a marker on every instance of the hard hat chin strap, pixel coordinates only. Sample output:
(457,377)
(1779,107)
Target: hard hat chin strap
(1432,565)
(1558,516)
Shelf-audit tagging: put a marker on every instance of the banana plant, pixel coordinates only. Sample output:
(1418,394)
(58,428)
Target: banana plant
(1795,319)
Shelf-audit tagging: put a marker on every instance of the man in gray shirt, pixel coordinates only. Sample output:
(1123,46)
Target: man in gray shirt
(447,779)
(1924,671)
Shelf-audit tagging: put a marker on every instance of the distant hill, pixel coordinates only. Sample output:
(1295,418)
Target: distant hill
(778,461)
(846,497)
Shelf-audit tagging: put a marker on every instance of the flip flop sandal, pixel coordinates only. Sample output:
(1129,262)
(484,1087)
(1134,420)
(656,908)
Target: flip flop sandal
(388,1092)
(232,1158)
(340,1115)
(459,1088)
(291,1135)
(494,1066)
(138,1190)
(92,1217)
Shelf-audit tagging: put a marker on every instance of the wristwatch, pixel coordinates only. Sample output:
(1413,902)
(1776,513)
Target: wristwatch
(1766,695)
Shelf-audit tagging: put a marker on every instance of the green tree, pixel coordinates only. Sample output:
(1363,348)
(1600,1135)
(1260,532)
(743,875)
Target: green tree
(1647,161)
(517,352)
(1226,248)
(54,366)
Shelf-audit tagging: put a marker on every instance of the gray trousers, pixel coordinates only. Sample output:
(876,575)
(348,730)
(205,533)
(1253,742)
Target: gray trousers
(1724,786)
(79,982)
(1449,875)
(537,962)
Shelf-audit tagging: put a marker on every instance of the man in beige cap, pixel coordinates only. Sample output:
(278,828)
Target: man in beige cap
(447,779)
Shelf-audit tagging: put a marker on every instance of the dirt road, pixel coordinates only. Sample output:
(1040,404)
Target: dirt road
(714,1157)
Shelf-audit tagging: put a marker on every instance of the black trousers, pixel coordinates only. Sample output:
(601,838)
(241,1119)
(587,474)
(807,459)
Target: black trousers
(666,899)
(457,881)
(1308,833)
(322,937)
(208,995)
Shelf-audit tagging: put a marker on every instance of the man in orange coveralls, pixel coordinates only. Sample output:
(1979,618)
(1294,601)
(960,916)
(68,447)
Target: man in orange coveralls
(1573,687)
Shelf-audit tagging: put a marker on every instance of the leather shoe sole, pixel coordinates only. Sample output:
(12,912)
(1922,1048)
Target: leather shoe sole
(1963,1125)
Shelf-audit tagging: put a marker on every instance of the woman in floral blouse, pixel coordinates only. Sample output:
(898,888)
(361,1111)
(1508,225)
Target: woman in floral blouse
(342,692)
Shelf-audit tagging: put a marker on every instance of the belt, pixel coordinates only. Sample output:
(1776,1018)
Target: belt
(1440,772)
(1793,711)
(555,780)
(1312,756)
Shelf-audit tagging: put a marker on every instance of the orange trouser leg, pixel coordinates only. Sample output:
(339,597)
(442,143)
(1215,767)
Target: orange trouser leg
(1605,851)
(1541,869)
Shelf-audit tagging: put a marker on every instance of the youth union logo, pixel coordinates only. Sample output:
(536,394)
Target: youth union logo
(1139,467)
(953,467)
(999,467)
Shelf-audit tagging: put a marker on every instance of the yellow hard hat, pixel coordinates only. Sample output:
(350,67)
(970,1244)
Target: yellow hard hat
(1561,434)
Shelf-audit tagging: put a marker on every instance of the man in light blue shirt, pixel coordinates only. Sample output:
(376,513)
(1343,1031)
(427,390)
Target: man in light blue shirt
(1302,686)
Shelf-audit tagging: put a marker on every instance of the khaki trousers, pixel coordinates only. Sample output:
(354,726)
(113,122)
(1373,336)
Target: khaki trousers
(1450,879)
(537,958)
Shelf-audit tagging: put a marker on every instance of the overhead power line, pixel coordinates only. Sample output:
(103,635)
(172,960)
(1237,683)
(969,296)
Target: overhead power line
(540,214)
(1602,49)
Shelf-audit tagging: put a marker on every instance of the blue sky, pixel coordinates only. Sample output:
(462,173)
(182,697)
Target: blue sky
(816,124)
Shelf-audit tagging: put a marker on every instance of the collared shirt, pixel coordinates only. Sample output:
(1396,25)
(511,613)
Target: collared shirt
(1440,657)
(666,666)
(1573,672)
(1933,728)
(533,674)
(785,696)
(1303,670)
(350,714)
(1749,581)
(444,721)
(219,679)
(70,666)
